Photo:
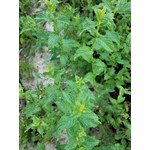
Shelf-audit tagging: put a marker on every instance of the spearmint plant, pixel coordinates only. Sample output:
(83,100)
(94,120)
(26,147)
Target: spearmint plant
(90,65)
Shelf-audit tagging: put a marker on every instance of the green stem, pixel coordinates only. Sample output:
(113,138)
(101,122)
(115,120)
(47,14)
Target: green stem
(98,27)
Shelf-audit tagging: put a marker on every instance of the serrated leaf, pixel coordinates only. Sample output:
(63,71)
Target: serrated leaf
(65,122)
(31,109)
(44,16)
(107,5)
(64,106)
(66,96)
(106,44)
(114,36)
(90,143)
(72,85)
(89,120)
(85,53)
(98,67)
(88,25)
(124,7)
(72,143)
(53,40)
(103,42)
(108,21)
(63,21)
(87,95)
(68,44)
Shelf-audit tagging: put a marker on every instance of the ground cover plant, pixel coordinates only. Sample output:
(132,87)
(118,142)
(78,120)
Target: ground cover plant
(90,65)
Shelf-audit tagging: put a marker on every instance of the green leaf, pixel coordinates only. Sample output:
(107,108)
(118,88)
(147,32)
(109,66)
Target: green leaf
(68,44)
(64,106)
(89,120)
(78,33)
(117,147)
(98,67)
(40,146)
(63,59)
(123,7)
(127,44)
(110,73)
(53,40)
(90,143)
(128,39)
(85,53)
(89,77)
(126,63)
(44,16)
(120,98)
(28,96)
(28,127)
(119,136)
(71,85)
(127,124)
(108,21)
(72,143)
(40,130)
(128,133)
(113,101)
(88,25)
(36,121)
(31,109)
(114,36)
(63,21)
(103,42)
(107,5)
(65,122)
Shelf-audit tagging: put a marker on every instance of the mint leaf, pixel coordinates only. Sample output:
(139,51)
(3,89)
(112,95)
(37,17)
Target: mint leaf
(103,42)
(90,142)
(65,122)
(53,40)
(89,77)
(68,44)
(114,36)
(89,120)
(84,52)
(98,67)
(31,109)
(88,25)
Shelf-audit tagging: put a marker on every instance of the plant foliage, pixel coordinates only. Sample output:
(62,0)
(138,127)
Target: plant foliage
(90,48)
